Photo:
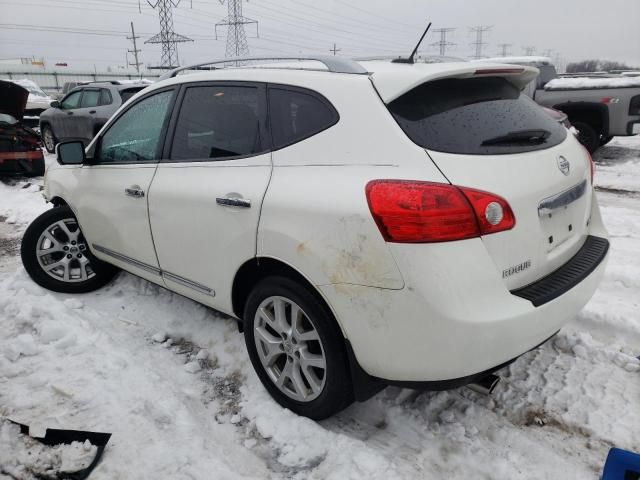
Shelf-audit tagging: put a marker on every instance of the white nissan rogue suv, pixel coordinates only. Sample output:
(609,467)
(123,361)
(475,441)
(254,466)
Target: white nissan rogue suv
(367,223)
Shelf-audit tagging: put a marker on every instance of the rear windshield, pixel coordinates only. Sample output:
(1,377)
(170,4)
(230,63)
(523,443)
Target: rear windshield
(477,116)
(129,92)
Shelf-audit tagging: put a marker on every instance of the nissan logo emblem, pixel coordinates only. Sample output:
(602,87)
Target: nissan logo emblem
(564,165)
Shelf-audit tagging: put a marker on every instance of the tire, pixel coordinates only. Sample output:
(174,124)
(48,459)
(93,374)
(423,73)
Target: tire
(49,241)
(48,138)
(587,136)
(37,168)
(318,337)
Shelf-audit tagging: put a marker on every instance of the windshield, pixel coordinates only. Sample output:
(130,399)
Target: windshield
(477,116)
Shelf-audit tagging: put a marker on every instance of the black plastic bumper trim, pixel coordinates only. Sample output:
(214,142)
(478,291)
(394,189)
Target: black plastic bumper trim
(581,265)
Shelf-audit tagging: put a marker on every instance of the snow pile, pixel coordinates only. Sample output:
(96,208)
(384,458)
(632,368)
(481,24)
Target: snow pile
(592,82)
(22,457)
(171,380)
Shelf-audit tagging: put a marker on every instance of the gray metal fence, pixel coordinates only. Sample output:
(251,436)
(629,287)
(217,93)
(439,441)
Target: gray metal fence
(53,80)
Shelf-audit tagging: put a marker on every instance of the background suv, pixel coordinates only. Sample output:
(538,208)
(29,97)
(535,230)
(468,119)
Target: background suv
(83,111)
(367,223)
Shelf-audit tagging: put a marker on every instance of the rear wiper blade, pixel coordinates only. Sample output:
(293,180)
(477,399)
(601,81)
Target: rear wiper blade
(519,137)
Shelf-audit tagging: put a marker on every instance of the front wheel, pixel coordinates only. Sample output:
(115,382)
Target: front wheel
(56,256)
(296,349)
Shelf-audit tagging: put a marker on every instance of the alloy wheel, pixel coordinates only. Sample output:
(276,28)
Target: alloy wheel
(61,252)
(290,348)
(49,142)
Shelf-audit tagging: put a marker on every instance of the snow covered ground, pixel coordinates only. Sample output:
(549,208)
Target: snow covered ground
(171,380)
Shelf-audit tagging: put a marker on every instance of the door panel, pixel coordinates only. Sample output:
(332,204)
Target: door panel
(69,106)
(115,223)
(112,204)
(204,204)
(202,241)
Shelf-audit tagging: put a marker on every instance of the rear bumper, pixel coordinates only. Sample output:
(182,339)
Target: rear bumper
(455,319)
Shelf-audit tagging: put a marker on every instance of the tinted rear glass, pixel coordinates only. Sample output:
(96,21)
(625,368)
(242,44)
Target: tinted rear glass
(477,116)
(128,93)
(296,115)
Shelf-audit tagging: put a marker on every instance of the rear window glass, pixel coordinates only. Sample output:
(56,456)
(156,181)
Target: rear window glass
(296,115)
(128,93)
(481,116)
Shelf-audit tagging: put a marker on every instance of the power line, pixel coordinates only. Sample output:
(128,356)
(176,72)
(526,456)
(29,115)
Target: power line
(135,50)
(443,43)
(237,45)
(479,45)
(504,49)
(167,37)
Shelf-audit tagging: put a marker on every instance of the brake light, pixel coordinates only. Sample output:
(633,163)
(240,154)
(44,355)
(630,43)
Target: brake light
(409,211)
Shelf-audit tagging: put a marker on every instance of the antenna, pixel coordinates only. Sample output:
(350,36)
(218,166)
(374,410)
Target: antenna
(415,50)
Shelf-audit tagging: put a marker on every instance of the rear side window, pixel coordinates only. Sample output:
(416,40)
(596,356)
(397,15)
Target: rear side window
(105,97)
(475,116)
(90,98)
(296,115)
(217,122)
(128,93)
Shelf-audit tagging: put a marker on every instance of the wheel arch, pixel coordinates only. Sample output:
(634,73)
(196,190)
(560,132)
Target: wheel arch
(58,202)
(595,114)
(258,268)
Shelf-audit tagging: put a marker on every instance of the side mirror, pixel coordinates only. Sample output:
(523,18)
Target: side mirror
(55,104)
(70,153)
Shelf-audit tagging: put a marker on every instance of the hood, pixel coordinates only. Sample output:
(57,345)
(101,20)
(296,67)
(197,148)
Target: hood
(13,99)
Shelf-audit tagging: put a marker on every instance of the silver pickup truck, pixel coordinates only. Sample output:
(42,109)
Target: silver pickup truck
(600,107)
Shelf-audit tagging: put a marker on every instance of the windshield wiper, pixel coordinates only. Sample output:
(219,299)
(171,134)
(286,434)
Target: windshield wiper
(519,137)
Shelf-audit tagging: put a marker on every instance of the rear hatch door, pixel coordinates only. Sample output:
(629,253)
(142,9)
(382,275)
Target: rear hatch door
(483,133)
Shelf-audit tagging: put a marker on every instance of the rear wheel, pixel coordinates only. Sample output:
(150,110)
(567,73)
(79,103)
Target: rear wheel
(587,136)
(56,255)
(48,138)
(296,349)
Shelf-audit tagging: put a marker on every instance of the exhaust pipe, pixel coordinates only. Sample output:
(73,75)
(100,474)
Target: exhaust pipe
(485,385)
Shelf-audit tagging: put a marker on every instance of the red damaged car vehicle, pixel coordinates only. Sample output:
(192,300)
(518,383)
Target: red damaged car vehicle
(20,147)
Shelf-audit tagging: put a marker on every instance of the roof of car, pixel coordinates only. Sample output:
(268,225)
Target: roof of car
(391,79)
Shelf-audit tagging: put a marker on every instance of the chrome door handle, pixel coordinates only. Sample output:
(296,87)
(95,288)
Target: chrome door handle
(134,191)
(233,202)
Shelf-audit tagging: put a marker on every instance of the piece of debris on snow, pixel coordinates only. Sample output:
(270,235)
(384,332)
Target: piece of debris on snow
(24,457)
(202,355)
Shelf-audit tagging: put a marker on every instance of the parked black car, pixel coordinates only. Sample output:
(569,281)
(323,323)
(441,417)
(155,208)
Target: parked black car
(20,147)
(83,111)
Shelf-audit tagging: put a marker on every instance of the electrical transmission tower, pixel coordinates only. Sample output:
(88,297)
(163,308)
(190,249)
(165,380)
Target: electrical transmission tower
(504,49)
(135,50)
(443,43)
(548,53)
(237,45)
(334,49)
(480,30)
(530,50)
(167,37)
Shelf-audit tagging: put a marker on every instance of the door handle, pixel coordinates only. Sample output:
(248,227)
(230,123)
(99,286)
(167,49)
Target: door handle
(134,191)
(92,111)
(233,202)
(69,113)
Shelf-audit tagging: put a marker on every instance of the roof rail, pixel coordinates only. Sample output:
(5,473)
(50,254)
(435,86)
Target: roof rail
(333,63)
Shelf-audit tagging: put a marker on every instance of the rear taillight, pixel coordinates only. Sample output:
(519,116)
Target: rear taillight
(409,211)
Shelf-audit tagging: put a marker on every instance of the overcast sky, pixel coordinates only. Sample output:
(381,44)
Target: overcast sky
(575,29)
